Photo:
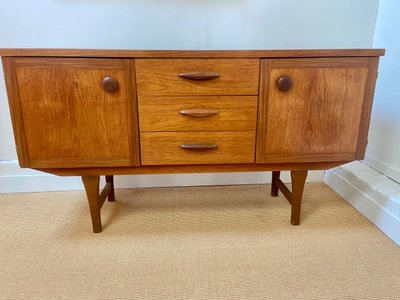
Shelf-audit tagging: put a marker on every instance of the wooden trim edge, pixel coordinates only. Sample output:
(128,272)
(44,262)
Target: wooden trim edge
(182,169)
(189,53)
(15,111)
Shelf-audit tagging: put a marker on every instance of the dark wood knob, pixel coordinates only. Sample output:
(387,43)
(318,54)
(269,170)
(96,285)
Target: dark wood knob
(284,83)
(109,84)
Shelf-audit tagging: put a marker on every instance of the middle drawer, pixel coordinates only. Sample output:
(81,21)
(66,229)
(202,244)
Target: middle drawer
(197,113)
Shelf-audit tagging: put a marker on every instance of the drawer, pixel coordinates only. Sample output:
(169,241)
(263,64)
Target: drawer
(165,148)
(197,113)
(197,76)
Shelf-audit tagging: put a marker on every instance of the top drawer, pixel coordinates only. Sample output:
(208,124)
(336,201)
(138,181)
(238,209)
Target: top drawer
(159,77)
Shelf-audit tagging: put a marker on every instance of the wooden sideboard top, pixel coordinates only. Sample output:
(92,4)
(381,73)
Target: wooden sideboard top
(190,53)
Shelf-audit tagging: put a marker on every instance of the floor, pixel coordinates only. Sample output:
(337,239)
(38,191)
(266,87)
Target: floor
(224,242)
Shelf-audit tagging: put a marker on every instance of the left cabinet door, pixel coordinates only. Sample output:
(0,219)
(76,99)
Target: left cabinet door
(73,112)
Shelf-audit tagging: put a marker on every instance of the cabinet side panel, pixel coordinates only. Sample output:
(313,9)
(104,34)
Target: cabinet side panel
(132,107)
(367,106)
(265,67)
(15,110)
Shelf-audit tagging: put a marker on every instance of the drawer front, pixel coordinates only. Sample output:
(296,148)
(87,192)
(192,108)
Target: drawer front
(165,148)
(200,113)
(197,76)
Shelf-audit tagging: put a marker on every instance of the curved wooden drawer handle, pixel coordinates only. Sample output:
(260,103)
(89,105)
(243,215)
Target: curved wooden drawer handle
(199,76)
(199,146)
(198,112)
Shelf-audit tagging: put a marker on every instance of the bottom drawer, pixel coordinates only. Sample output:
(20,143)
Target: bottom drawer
(177,148)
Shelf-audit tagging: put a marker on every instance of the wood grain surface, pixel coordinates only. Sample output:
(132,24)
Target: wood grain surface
(191,168)
(320,115)
(323,117)
(198,111)
(373,63)
(163,113)
(262,110)
(15,110)
(163,148)
(161,77)
(69,120)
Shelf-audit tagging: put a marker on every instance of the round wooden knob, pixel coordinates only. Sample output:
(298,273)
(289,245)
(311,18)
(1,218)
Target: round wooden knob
(109,84)
(284,83)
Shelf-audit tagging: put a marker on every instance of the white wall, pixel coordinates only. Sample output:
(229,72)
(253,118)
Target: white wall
(173,24)
(383,152)
(187,24)
(371,192)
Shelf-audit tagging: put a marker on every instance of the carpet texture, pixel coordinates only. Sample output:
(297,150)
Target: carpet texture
(226,242)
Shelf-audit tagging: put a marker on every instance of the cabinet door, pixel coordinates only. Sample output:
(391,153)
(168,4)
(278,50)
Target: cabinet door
(315,109)
(66,114)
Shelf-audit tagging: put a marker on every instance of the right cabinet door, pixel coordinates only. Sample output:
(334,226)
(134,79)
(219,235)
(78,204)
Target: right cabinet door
(314,109)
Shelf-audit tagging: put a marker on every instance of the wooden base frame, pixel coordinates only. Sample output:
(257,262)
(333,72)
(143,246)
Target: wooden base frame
(295,196)
(97,200)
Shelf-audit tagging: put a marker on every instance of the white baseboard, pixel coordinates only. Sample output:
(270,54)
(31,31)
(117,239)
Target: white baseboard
(364,200)
(383,167)
(14,179)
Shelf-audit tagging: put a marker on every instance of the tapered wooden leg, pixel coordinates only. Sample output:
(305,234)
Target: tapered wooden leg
(298,181)
(91,184)
(111,195)
(274,187)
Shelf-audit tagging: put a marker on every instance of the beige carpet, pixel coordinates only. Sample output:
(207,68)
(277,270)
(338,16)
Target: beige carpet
(193,243)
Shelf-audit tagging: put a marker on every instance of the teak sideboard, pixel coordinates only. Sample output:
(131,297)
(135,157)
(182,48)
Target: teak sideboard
(91,113)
